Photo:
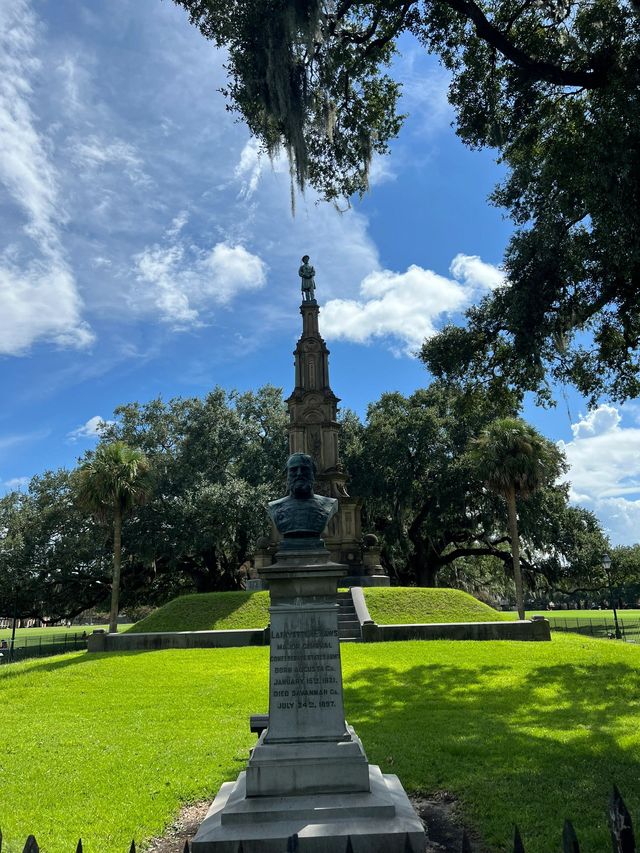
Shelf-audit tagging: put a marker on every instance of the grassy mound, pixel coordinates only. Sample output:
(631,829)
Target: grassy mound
(207,612)
(388,606)
(411,605)
(110,746)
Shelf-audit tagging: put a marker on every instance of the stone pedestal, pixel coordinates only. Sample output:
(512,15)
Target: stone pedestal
(308,775)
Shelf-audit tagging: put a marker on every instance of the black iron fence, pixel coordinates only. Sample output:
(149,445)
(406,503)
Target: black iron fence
(602,627)
(31,846)
(619,820)
(43,645)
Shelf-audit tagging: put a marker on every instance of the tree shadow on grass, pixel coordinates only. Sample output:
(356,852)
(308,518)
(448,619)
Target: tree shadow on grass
(530,753)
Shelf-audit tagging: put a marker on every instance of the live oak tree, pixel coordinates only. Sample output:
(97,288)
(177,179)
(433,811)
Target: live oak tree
(426,499)
(552,85)
(55,560)
(217,461)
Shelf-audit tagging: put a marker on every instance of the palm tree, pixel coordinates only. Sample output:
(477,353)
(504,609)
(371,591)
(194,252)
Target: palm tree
(514,460)
(109,485)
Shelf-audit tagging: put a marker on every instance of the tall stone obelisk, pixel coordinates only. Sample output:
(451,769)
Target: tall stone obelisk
(314,429)
(308,785)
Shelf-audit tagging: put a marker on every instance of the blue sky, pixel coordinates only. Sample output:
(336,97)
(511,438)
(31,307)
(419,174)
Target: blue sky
(147,249)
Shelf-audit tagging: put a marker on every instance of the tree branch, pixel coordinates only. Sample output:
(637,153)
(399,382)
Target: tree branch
(535,69)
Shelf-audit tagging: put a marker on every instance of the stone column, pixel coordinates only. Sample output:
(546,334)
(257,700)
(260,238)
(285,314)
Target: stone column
(308,746)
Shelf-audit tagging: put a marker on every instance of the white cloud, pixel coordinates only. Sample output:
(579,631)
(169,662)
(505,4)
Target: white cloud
(599,421)
(424,92)
(472,271)
(183,281)
(93,428)
(380,170)
(406,306)
(39,299)
(605,471)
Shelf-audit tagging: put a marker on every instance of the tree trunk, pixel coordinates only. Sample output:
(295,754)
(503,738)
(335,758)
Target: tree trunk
(117,560)
(515,551)
(427,573)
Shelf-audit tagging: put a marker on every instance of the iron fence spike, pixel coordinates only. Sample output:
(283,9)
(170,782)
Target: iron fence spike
(466,844)
(186,847)
(518,846)
(349,848)
(569,838)
(620,824)
(132,849)
(31,846)
(79,847)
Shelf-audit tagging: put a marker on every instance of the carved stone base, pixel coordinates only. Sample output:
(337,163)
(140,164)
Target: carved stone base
(381,820)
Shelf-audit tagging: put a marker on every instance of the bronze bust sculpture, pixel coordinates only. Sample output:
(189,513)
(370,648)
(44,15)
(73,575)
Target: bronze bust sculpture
(302,515)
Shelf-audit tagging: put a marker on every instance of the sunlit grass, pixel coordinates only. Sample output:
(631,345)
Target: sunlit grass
(209,611)
(109,746)
(410,605)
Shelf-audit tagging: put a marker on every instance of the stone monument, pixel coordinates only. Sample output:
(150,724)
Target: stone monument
(308,777)
(314,429)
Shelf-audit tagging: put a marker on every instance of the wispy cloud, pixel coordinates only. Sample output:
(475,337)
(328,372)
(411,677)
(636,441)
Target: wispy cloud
(16,484)
(39,298)
(96,152)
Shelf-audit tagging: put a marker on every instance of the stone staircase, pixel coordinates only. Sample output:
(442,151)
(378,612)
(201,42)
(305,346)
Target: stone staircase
(348,625)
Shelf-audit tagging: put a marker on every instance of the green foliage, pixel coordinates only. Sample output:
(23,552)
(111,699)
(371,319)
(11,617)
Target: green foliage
(111,749)
(215,463)
(208,611)
(112,481)
(411,605)
(51,553)
(330,110)
(218,461)
(513,458)
(552,85)
(424,498)
(109,484)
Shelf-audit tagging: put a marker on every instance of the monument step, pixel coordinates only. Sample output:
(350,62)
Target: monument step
(382,821)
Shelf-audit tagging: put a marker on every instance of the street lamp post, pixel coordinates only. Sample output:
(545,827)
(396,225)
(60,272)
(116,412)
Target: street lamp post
(606,565)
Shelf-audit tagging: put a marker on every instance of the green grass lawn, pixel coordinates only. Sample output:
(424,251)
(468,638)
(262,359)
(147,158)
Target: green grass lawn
(209,611)
(409,605)
(109,746)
